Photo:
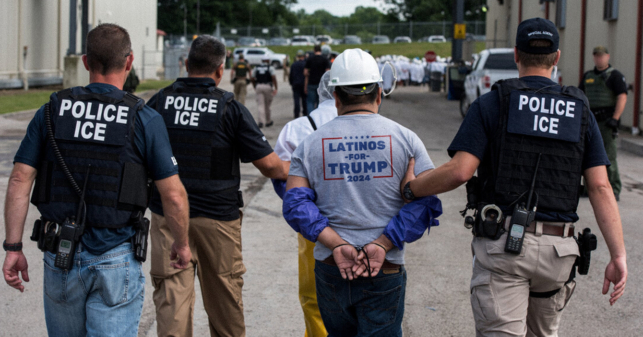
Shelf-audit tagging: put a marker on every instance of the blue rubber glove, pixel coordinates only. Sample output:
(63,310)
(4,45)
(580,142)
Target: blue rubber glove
(280,187)
(302,214)
(413,219)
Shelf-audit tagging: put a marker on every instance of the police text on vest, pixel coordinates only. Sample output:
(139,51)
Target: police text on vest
(109,113)
(188,109)
(540,105)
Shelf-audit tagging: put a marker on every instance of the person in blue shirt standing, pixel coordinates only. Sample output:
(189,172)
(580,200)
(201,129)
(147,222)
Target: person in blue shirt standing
(297,81)
(105,140)
(530,135)
(210,134)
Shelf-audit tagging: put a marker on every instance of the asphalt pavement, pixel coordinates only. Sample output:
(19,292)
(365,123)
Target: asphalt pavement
(438,265)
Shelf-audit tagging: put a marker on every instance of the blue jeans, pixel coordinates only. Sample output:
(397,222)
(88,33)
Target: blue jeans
(362,307)
(102,295)
(312,99)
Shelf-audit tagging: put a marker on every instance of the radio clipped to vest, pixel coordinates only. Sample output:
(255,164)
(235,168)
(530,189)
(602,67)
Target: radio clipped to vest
(521,217)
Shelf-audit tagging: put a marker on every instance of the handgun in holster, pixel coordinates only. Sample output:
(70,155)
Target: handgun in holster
(139,240)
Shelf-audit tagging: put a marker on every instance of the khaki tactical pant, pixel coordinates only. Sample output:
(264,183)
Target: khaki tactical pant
(264,100)
(216,256)
(240,90)
(501,284)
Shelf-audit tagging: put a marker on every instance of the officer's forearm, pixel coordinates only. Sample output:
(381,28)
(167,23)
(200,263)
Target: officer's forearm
(16,203)
(601,196)
(620,105)
(272,167)
(446,177)
(175,207)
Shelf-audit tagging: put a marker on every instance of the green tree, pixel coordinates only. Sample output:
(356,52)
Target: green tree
(432,10)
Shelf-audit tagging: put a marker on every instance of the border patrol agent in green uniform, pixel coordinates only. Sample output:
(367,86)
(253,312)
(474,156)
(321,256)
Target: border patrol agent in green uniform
(606,91)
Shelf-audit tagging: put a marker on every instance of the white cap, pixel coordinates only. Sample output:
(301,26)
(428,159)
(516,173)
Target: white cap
(352,67)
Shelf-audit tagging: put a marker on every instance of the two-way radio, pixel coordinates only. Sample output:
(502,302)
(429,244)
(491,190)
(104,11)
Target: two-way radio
(70,232)
(521,217)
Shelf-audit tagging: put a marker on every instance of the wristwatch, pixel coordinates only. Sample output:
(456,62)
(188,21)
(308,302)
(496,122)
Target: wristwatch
(408,194)
(11,247)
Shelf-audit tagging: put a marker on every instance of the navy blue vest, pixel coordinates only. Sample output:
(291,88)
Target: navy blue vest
(263,74)
(537,121)
(193,117)
(94,130)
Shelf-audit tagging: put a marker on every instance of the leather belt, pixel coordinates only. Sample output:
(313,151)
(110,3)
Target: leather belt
(386,265)
(538,228)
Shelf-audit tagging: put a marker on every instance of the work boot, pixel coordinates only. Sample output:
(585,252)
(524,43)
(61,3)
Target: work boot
(270,124)
(260,125)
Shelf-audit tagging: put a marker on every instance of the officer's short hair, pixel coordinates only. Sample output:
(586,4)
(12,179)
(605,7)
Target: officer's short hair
(317,48)
(241,57)
(108,46)
(348,99)
(207,54)
(537,60)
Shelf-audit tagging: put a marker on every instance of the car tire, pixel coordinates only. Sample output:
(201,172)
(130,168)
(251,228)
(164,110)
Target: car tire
(464,106)
(276,64)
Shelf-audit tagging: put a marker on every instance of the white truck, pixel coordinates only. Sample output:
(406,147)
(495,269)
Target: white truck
(254,56)
(490,66)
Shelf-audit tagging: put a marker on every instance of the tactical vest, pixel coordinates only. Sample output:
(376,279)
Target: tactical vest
(263,74)
(597,92)
(537,121)
(241,69)
(192,116)
(94,131)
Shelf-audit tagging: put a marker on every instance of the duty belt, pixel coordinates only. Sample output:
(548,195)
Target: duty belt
(539,228)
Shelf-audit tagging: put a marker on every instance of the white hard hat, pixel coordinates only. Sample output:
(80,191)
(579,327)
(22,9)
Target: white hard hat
(352,67)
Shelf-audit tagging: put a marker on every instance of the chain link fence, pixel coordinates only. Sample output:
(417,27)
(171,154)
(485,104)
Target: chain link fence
(417,31)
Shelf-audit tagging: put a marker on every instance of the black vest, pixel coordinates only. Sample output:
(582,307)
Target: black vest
(537,121)
(97,130)
(193,115)
(263,74)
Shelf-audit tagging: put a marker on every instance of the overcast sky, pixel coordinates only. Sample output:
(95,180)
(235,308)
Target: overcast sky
(335,7)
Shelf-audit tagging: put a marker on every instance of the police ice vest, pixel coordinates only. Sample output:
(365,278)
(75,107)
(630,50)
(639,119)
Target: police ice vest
(192,116)
(596,90)
(532,122)
(94,130)
(263,74)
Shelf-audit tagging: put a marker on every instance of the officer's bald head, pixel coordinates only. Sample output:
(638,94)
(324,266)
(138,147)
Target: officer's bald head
(108,46)
(207,54)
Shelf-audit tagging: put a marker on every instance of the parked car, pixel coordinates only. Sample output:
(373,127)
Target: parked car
(381,39)
(490,66)
(279,41)
(323,39)
(302,40)
(254,56)
(261,42)
(437,38)
(352,39)
(230,43)
(402,39)
(248,41)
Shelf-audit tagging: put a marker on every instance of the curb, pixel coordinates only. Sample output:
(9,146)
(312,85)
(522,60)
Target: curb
(633,145)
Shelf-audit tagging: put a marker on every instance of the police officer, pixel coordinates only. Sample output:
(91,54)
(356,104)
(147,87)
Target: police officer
(240,77)
(210,133)
(296,80)
(523,128)
(88,150)
(265,83)
(332,191)
(606,91)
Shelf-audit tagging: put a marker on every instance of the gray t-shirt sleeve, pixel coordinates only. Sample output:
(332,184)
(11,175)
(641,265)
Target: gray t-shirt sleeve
(422,160)
(297,163)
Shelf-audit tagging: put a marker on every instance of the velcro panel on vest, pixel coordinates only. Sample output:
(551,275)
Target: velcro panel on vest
(42,188)
(134,189)
(93,121)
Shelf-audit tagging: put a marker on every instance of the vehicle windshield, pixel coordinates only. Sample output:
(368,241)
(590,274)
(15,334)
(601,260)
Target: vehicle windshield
(503,61)
(299,39)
